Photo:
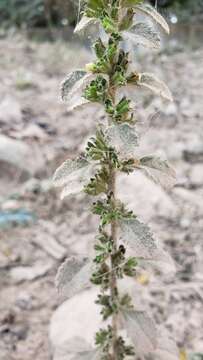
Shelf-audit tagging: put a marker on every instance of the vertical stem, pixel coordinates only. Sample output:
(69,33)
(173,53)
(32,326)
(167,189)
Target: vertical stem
(113,280)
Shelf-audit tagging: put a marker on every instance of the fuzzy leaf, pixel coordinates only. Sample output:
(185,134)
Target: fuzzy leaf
(161,261)
(73,276)
(73,175)
(152,83)
(123,138)
(143,34)
(69,82)
(141,330)
(84,23)
(158,163)
(151,12)
(139,237)
(74,98)
(158,170)
(67,169)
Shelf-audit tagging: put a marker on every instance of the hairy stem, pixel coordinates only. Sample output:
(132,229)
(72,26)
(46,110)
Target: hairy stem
(113,279)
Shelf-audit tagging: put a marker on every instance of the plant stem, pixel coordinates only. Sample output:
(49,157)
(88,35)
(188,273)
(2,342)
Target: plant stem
(113,279)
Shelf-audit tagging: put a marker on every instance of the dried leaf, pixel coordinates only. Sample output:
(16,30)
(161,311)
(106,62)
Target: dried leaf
(142,331)
(151,12)
(152,83)
(70,81)
(73,175)
(143,34)
(158,170)
(84,23)
(139,237)
(73,276)
(123,138)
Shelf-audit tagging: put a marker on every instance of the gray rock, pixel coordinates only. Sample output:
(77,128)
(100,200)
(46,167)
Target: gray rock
(23,273)
(171,109)
(10,110)
(194,151)
(78,316)
(20,154)
(196,175)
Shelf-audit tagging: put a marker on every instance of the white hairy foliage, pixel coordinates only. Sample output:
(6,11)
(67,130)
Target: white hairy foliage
(161,261)
(123,138)
(139,238)
(73,95)
(150,11)
(143,125)
(152,83)
(73,276)
(69,82)
(158,170)
(141,330)
(73,175)
(84,24)
(158,163)
(143,34)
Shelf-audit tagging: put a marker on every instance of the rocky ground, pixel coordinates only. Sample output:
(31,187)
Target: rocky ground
(37,230)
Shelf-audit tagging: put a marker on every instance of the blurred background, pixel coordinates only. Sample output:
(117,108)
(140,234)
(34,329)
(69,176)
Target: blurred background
(37,230)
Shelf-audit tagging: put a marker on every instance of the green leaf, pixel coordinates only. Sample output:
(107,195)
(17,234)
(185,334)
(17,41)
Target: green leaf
(142,331)
(73,276)
(73,175)
(109,25)
(96,90)
(99,48)
(95,8)
(69,82)
(143,34)
(123,138)
(130,3)
(151,12)
(139,238)
(152,83)
(84,24)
